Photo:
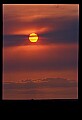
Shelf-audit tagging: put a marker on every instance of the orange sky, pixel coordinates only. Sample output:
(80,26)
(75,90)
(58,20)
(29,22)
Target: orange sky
(18,56)
(53,59)
(55,25)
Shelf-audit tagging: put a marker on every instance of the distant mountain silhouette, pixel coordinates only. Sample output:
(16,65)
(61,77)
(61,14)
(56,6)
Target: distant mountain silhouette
(48,88)
(41,83)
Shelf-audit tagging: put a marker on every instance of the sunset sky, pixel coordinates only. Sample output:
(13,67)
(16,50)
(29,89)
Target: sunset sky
(54,55)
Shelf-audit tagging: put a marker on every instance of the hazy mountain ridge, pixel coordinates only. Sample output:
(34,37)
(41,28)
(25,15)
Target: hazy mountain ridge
(40,83)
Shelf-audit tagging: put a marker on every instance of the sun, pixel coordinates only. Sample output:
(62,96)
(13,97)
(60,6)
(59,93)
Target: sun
(33,37)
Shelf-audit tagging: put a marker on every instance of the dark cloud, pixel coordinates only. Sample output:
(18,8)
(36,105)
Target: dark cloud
(69,33)
(14,40)
(61,30)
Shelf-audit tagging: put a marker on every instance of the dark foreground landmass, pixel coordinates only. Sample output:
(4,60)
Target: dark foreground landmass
(40,105)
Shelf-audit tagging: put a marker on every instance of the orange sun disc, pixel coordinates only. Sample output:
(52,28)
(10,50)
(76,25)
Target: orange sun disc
(33,37)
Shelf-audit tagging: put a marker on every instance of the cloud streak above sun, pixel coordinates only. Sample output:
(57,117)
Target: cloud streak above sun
(41,18)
